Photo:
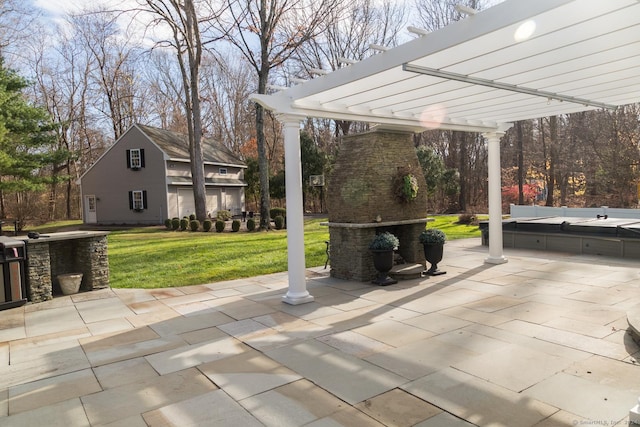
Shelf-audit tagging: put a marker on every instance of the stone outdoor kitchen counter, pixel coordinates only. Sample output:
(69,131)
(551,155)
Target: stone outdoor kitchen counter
(67,252)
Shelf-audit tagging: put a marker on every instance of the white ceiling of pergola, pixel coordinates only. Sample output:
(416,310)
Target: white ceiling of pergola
(582,55)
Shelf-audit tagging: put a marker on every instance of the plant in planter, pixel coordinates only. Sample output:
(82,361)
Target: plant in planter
(432,240)
(405,185)
(382,247)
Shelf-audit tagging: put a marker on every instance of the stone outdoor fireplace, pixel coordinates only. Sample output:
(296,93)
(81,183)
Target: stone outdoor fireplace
(362,201)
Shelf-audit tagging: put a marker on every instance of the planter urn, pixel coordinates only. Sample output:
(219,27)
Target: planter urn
(433,254)
(383,263)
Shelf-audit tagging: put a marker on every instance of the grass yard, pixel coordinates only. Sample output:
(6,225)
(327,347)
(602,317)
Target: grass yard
(156,258)
(453,230)
(152,257)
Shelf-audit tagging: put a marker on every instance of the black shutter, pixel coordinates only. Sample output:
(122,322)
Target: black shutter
(128,159)
(144,199)
(130,198)
(142,157)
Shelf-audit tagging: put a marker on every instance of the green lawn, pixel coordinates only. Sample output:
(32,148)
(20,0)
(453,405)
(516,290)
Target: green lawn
(153,257)
(51,227)
(453,230)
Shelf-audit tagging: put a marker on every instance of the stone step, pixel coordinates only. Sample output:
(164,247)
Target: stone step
(406,271)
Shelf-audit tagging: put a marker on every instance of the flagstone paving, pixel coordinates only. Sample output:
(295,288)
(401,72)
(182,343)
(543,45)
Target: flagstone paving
(538,341)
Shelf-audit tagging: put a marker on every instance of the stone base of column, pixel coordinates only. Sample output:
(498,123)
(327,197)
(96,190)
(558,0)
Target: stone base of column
(496,260)
(297,299)
(634,415)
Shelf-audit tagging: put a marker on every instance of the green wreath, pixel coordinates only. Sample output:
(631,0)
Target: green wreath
(406,186)
(410,187)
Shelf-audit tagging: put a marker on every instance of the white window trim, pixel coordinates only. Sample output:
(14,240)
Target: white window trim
(138,199)
(135,158)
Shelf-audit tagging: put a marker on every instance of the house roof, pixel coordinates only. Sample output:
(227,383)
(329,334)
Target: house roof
(514,61)
(176,146)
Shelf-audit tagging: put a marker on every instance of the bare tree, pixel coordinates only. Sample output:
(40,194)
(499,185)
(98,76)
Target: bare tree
(61,87)
(183,21)
(349,34)
(165,91)
(16,19)
(277,28)
(227,113)
(114,67)
(433,15)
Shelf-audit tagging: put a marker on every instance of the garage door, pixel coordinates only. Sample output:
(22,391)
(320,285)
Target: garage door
(213,201)
(186,203)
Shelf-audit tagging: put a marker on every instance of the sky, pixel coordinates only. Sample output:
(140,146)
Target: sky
(56,10)
(59,7)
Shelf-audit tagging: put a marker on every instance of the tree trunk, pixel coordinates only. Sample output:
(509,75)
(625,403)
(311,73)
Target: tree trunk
(2,209)
(68,192)
(192,106)
(263,165)
(53,195)
(263,160)
(520,137)
(551,175)
(463,170)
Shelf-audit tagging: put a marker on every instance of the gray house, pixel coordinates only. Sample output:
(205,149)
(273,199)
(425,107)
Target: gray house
(145,178)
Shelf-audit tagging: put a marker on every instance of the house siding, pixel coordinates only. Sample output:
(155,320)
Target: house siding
(110,180)
(219,197)
(166,183)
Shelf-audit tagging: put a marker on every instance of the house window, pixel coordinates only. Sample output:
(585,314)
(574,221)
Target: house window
(135,158)
(222,171)
(92,203)
(138,200)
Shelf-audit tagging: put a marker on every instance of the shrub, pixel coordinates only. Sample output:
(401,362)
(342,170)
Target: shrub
(192,217)
(251,224)
(194,224)
(384,242)
(219,226)
(432,236)
(235,225)
(279,222)
(184,223)
(274,212)
(206,225)
(175,223)
(468,219)
(223,215)
(167,224)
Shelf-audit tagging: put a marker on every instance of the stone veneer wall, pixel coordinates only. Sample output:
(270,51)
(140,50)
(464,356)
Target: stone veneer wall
(38,273)
(360,189)
(350,258)
(47,259)
(360,185)
(93,260)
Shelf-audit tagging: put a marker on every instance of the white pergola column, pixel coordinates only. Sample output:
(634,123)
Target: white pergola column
(297,292)
(495,200)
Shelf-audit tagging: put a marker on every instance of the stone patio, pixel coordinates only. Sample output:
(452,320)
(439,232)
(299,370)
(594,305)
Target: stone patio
(539,341)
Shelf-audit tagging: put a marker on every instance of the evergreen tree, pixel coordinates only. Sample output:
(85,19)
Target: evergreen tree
(27,143)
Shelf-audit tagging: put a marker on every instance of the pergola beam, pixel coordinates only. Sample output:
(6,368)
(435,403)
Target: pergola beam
(504,86)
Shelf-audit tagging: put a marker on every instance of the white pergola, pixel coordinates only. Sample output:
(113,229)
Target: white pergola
(518,60)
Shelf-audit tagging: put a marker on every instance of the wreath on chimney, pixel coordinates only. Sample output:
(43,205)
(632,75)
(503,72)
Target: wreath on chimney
(405,185)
